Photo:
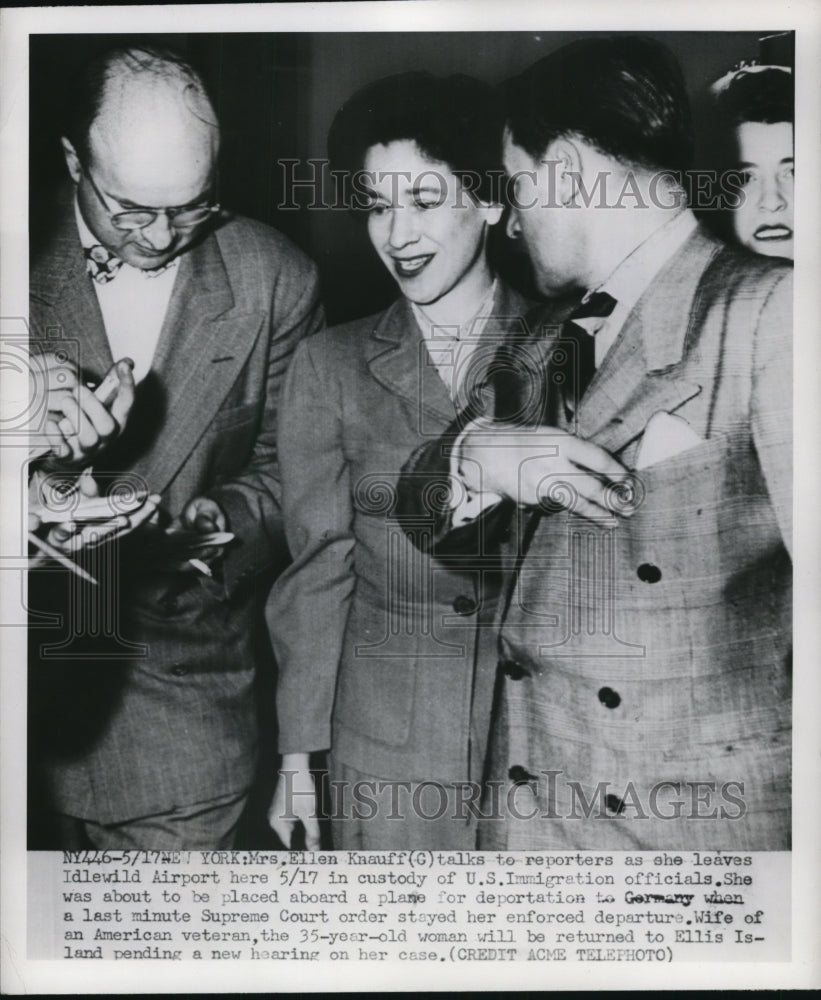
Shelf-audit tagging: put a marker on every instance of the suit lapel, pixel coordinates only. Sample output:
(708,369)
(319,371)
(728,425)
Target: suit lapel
(204,343)
(398,359)
(639,376)
(60,281)
(398,356)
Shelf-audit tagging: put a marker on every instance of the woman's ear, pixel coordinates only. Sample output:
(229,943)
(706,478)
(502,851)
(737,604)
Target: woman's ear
(492,211)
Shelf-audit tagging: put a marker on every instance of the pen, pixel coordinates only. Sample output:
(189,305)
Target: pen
(55,554)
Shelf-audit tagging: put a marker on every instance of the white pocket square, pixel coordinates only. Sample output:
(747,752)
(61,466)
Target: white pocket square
(665,436)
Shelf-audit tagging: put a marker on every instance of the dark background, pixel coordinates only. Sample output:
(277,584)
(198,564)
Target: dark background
(276,95)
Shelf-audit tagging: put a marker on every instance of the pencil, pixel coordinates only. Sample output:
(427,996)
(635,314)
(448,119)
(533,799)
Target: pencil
(64,560)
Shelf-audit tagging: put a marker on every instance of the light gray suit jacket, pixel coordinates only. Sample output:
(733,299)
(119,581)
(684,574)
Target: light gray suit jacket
(384,656)
(641,657)
(160,710)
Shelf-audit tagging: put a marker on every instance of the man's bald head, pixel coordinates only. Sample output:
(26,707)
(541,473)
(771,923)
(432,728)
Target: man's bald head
(155,120)
(141,133)
(118,92)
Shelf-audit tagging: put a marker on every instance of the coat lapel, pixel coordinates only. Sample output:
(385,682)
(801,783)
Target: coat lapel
(59,280)
(399,360)
(205,340)
(639,376)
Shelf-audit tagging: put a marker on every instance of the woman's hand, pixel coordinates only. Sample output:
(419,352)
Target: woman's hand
(294,801)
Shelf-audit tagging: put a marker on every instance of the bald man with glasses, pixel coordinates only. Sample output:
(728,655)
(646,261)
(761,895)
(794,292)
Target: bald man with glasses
(141,217)
(143,715)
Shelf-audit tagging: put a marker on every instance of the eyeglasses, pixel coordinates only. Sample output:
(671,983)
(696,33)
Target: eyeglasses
(139,218)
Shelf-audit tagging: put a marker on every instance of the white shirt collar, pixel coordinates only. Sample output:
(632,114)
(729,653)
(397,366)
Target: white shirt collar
(450,347)
(471,330)
(629,280)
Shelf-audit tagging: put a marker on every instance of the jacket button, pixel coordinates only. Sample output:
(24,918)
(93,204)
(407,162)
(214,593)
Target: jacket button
(614,804)
(515,671)
(520,776)
(609,698)
(464,605)
(648,573)
(178,670)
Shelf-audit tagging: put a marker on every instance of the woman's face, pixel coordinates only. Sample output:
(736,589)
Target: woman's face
(764,220)
(428,232)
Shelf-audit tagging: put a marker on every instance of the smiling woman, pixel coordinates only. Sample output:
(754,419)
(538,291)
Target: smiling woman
(427,232)
(385,658)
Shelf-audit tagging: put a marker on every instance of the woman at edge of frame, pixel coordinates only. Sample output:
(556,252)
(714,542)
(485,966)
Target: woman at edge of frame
(385,657)
(755,107)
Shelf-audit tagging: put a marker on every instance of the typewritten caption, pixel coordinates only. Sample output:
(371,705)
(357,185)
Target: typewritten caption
(409,906)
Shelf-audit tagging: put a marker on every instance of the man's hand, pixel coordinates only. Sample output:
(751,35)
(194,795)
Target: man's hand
(206,517)
(544,466)
(79,422)
(294,802)
(203,515)
(70,537)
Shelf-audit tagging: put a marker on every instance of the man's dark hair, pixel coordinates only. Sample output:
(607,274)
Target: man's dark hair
(765,95)
(623,95)
(455,120)
(85,93)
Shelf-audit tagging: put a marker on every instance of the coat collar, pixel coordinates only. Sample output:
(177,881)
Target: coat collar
(398,357)
(205,341)
(60,281)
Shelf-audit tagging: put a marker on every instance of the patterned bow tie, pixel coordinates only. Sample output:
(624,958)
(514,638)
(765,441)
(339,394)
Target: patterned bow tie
(101,264)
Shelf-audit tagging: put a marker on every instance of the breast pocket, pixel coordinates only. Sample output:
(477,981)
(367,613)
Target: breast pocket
(234,416)
(230,439)
(673,537)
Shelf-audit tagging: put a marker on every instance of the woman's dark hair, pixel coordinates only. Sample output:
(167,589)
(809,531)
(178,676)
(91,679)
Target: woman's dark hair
(624,95)
(764,95)
(453,120)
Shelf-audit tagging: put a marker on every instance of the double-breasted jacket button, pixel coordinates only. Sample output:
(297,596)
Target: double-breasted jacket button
(513,670)
(464,605)
(179,670)
(614,804)
(609,698)
(648,573)
(520,775)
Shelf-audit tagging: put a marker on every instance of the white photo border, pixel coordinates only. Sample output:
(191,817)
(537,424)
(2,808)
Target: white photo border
(19,975)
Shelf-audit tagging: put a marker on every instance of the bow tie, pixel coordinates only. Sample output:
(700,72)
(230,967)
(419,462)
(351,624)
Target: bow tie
(599,304)
(573,363)
(103,266)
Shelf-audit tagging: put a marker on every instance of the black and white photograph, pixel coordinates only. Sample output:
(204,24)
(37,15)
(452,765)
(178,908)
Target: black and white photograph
(401,413)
